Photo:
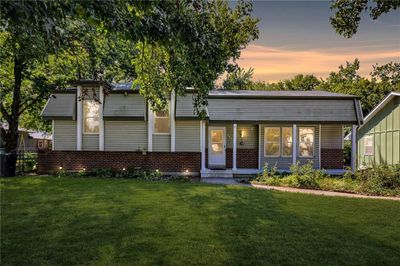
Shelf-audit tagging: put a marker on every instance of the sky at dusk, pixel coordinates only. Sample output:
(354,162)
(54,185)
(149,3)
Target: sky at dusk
(296,37)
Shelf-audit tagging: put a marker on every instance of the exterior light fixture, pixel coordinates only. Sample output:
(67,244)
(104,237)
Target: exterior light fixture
(157,170)
(84,169)
(60,168)
(186,171)
(123,169)
(241,135)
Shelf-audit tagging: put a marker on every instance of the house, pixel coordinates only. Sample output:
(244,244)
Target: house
(29,140)
(379,136)
(96,125)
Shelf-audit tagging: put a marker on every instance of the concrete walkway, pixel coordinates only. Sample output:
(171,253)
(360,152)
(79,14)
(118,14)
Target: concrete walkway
(231,181)
(220,181)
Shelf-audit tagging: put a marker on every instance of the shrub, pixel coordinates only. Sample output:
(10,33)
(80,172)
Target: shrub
(305,176)
(379,179)
(269,176)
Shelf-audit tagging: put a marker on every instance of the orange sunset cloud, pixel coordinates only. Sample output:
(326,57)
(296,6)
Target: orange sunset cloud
(273,64)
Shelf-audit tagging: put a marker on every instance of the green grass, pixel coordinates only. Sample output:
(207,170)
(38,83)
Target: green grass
(48,220)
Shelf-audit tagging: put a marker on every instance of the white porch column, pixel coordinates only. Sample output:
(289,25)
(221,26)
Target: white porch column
(234,147)
(79,117)
(101,121)
(319,146)
(260,148)
(172,120)
(52,135)
(353,147)
(150,129)
(294,144)
(203,144)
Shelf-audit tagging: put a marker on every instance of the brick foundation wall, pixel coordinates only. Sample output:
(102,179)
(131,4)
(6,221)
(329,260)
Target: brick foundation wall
(247,158)
(332,158)
(50,161)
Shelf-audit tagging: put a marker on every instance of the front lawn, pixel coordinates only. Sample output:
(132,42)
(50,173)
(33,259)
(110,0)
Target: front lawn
(69,221)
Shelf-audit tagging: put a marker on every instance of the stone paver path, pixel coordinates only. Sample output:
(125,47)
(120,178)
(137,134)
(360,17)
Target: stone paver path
(321,192)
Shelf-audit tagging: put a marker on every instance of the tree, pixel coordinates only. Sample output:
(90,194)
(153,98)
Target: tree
(346,19)
(348,81)
(163,45)
(238,79)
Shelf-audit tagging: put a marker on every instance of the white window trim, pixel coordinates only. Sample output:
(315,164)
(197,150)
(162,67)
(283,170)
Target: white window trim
(298,144)
(265,142)
(84,118)
(154,122)
(291,153)
(365,145)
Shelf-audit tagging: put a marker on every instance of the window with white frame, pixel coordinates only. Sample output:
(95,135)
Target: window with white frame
(272,136)
(91,117)
(287,141)
(161,122)
(368,145)
(306,141)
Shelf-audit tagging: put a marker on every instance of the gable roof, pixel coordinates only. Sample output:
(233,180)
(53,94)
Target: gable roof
(380,106)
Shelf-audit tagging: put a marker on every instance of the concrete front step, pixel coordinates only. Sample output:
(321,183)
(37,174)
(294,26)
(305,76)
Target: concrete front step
(217,174)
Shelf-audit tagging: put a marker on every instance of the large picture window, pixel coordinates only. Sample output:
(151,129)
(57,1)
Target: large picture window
(306,141)
(368,145)
(161,122)
(90,117)
(287,141)
(272,136)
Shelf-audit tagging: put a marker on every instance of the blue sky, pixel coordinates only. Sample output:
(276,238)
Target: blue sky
(296,37)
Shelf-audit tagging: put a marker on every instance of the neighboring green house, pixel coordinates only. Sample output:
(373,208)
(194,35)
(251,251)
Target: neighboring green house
(379,136)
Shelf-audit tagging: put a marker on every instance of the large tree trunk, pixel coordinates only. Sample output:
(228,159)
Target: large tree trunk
(11,136)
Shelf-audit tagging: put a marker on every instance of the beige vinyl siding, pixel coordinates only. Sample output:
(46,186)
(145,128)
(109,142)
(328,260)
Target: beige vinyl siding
(250,140)
(187,136)
(162,142)
(280,110)
(184,106)
(284,163)
(331,137)
(124,106)
(90,142)
(125,135)
(64,135)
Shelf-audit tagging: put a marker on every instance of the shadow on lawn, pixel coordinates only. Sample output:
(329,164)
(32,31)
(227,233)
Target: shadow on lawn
(109,221)
(258,227)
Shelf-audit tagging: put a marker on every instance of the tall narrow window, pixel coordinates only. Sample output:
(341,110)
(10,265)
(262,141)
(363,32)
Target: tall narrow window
(306,141)
(90,117)
(272,145)
(161,122)
(368,145)
(287,141)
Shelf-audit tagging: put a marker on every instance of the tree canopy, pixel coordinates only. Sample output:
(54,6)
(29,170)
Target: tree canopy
(161,45)
(347,16)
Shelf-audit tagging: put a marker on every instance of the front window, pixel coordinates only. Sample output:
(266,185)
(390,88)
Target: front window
(91,116)
(287,141)
(368,145)
(306,141)
(272,136)
(161,122)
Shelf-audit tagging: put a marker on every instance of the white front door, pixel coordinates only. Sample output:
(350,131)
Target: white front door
(216,147)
